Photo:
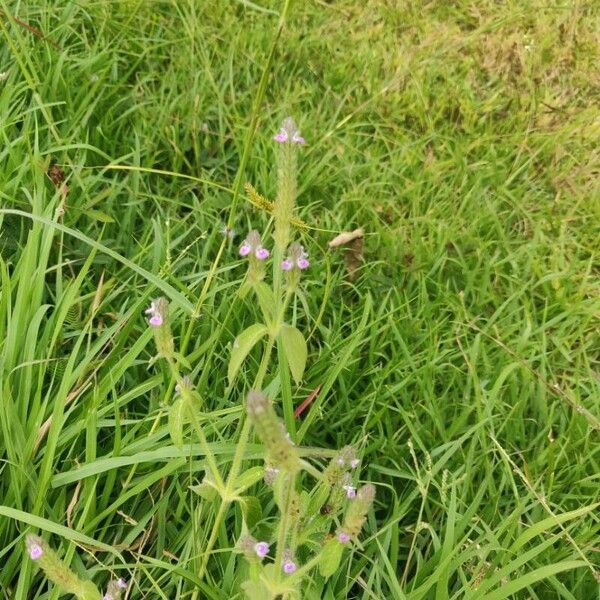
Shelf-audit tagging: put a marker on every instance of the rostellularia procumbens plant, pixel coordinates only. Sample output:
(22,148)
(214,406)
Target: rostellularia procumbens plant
(314,525)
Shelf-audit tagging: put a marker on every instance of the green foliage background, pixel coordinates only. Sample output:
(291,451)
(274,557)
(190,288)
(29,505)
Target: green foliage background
(463,360)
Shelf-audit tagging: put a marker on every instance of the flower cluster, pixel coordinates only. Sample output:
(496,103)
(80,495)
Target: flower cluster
(253,245)
(289,133)
(289,566)
(296,259)
(261,549)
(337,470)
(357,511)
(34,546)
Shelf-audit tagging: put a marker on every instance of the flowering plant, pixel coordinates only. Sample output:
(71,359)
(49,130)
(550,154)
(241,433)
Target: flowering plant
(321,507)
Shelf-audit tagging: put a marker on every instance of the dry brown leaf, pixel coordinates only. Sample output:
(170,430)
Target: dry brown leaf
(352,243)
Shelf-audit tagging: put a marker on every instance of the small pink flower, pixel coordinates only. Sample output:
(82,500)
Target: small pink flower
(35,551)
(158,310)
(245,249)
(261,253)
(354,463)
(302,263)
(261,549)
(287,265)
(298,139)
(156,320)
(289,567)
(122,583)
(281,136)
(350,491)
(343,537)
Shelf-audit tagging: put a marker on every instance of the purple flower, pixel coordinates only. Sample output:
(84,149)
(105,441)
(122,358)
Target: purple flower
(343,537)
(302,263)
(297,257)
(350,491)
(122,583)
(289,567)
(35,551)
(261,253)
(253,245)
(354,463)
(157,311)
(261,549)
(156,320)
(281,136)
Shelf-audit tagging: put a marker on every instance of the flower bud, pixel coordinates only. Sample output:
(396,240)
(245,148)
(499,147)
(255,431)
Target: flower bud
(357,511)
(337,468)
(280,450)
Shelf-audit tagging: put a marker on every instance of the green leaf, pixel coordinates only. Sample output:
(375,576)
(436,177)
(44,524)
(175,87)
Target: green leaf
(255,590)
(169,291)
(318,498)
(266,300)
(176,421)
(548,523)
(242,345)
(330,558)
(51,527)
(205,490)
(248,478)
(515,585)
(251,509)
(295,350)
(98,215)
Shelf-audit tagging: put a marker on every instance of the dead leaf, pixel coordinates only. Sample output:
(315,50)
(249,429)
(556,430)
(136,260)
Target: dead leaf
(352,243)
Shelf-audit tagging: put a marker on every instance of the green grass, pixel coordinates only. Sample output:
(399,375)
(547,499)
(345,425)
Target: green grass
(463,360)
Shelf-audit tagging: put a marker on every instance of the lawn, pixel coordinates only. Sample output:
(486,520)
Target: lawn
(448,359)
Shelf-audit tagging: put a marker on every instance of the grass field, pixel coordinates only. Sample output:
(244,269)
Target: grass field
(462,361)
